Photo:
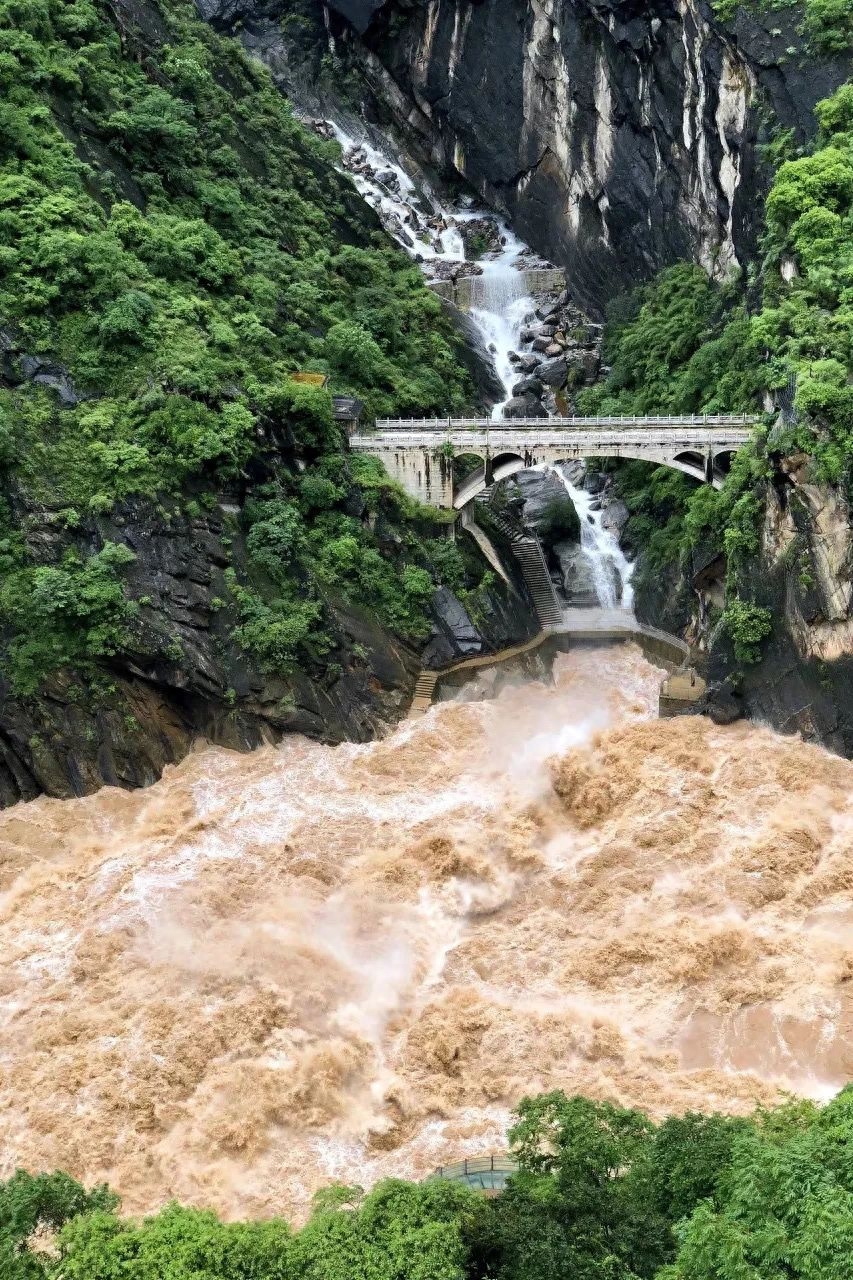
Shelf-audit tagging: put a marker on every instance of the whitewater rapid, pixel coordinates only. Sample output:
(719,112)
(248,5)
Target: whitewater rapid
(309,963)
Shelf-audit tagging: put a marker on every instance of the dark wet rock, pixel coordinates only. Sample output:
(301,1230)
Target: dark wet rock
(615,516)
(18,366)
(481,237)
(721,703)
(526,406)
(528,386)
(455,634)
(553,372)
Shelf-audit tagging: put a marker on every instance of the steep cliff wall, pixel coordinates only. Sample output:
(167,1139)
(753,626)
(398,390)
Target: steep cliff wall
(617,136)
(804,574)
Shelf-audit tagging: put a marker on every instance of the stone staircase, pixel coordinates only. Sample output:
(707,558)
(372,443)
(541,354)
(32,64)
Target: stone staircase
(527,550)
(530,557)
(424,690)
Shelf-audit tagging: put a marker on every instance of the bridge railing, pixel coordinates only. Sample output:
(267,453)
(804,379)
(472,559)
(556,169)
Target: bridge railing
(560,424)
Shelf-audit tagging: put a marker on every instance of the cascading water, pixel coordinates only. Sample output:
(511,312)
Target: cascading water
(611,569)
(499,302)
(499,305)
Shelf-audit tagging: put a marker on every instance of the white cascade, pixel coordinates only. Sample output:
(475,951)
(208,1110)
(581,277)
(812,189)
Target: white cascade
(610,567)
(500,303)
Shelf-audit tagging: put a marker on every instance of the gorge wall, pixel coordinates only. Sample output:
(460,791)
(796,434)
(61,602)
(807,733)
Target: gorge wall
(616,136)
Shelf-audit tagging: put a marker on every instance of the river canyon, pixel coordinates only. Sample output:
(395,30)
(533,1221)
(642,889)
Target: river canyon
(346,949)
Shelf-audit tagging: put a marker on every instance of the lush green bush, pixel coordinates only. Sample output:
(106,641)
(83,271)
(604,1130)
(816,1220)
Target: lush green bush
(747,624)
(602,1193)
(65,615)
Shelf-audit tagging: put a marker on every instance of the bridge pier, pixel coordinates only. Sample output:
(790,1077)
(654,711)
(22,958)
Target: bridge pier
(424,476)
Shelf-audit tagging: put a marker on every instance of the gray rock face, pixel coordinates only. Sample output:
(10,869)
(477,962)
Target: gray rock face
(537,489)
(17,366)
(529,385)
(358,12)
(526,406)
(614,517)
(617,137)
(578,580)
(553,371)
(455,635)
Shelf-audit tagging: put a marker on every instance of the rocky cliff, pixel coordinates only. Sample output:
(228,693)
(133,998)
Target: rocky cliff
(179,675)
(617,136)
(803,573)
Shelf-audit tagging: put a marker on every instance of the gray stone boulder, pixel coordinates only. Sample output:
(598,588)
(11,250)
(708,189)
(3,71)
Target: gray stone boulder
(615,517)
(553,372)
(538,489)
(578,579)
(529,385)
(526,406)
(480,236)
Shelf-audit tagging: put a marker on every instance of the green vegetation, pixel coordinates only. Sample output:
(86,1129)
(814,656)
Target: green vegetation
(602,1193)
(559,520)
(747,624)
(179,245)
(827,25)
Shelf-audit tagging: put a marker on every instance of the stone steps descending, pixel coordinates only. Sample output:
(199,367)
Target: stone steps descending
(530,557)
(424,690)
(528,552)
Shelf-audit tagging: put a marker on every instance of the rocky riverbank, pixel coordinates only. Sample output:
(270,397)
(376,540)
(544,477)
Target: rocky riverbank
(179,675)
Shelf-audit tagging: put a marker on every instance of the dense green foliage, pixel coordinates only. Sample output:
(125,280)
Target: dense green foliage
(826,25)
(173,239)
(602,1193)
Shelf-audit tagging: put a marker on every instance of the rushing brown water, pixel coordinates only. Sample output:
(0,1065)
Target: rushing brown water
(311,963)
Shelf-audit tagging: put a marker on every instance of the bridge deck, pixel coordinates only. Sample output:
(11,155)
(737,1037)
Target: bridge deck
(501,438)
(446,425)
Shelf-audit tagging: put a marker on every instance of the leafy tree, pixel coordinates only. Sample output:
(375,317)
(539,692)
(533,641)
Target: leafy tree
(748,625)
(31,1204)
(71,614)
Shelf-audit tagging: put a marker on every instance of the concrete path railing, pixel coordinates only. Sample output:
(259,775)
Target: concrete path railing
(563,424)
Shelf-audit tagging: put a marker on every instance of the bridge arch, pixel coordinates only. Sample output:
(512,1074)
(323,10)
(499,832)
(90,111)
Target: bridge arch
(722,465)
(500,467)
(699,446)
(691,463)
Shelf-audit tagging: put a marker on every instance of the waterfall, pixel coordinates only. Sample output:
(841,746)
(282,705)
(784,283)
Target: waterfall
(499,302)
(499,306)
(611,569)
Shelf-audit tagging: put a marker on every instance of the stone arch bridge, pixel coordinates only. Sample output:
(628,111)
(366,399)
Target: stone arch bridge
(419,452)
